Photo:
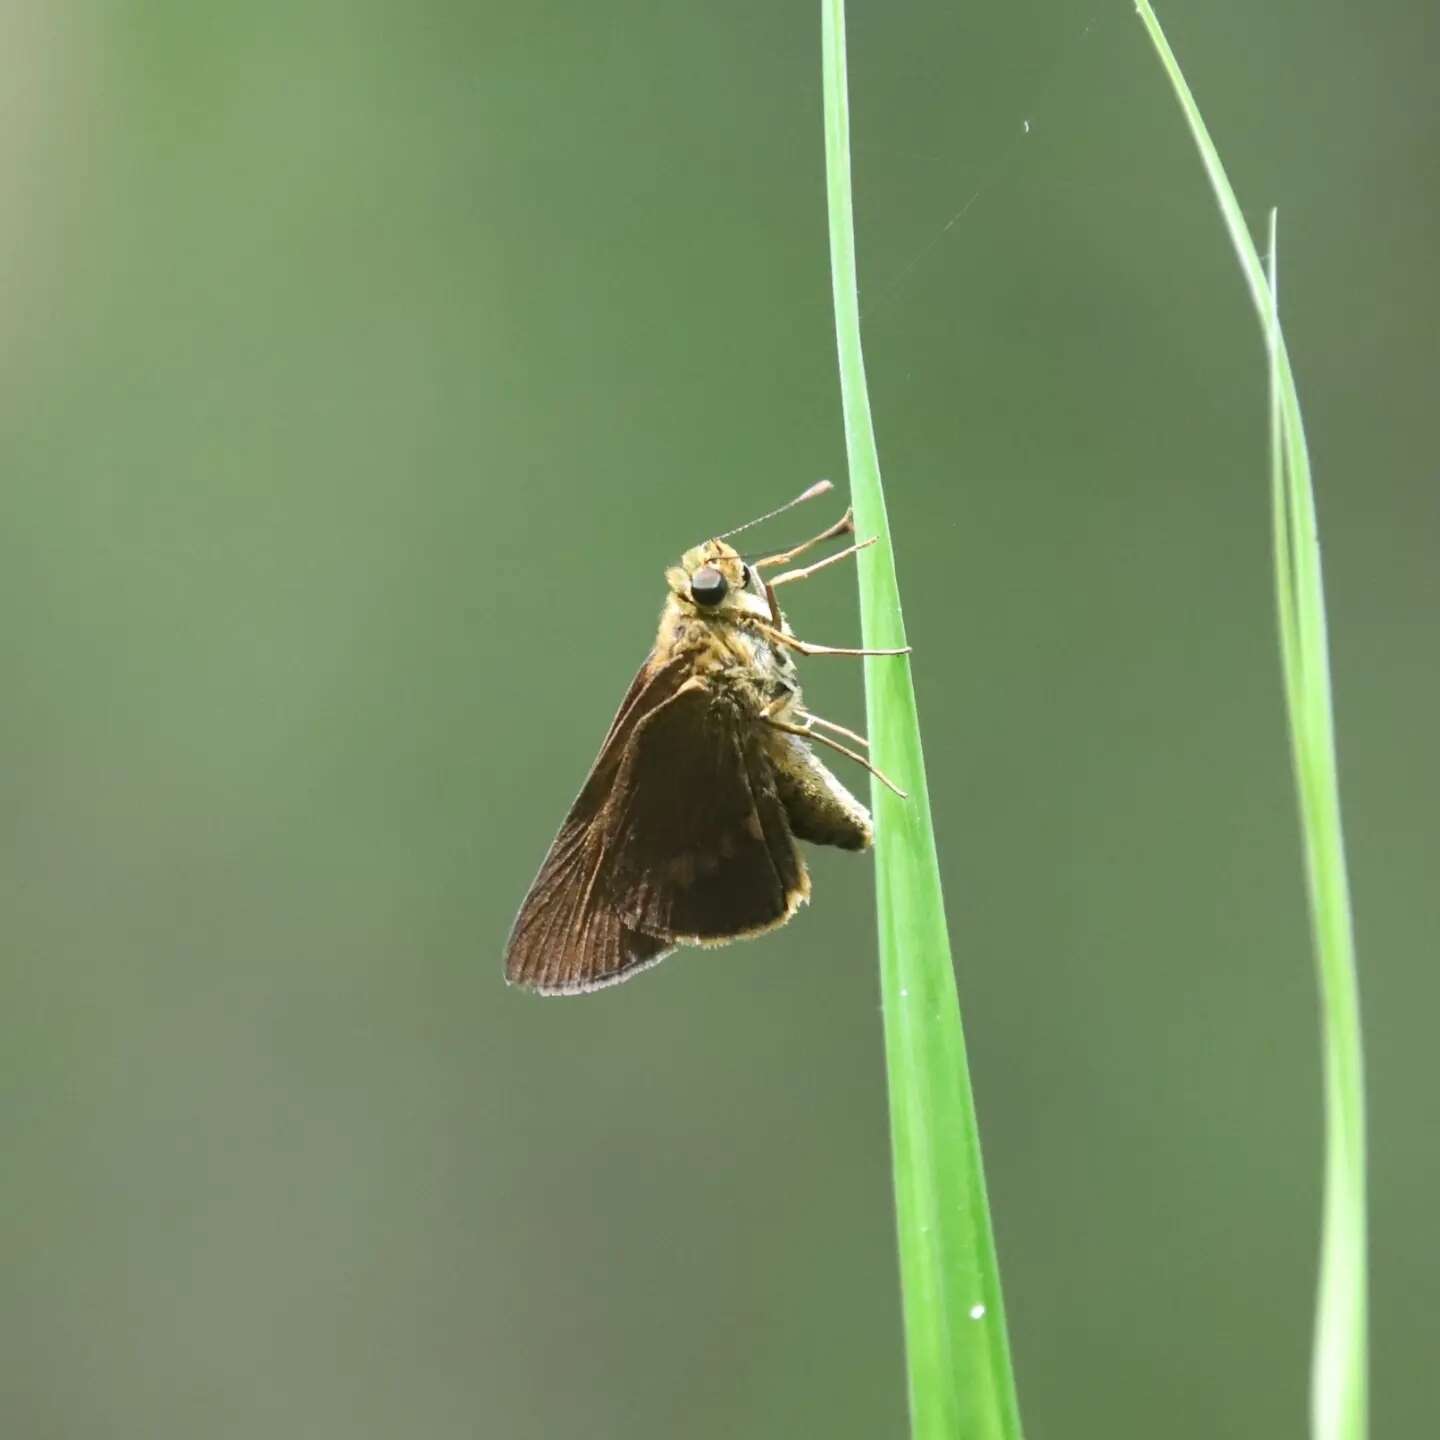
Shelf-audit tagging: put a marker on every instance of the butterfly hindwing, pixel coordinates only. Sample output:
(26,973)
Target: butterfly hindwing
(704,852)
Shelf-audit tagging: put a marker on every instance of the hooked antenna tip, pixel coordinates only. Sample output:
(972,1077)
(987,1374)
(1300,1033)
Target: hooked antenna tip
(818,488)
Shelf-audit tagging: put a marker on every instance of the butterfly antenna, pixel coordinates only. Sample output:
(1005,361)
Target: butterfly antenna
(820,487)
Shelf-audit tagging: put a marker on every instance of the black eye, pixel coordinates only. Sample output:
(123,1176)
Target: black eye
(707,586)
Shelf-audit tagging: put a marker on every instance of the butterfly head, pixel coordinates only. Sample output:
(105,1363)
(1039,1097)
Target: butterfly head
(712,579)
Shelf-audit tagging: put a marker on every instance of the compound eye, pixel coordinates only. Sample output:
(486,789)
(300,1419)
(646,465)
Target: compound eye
(708,586)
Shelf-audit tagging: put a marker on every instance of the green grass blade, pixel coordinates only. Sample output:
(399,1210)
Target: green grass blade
(1339,1379)
(957,1351)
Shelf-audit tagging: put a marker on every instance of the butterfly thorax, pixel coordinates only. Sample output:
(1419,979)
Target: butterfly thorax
(739,663)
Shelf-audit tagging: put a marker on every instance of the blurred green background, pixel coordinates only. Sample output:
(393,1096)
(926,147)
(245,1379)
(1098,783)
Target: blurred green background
(363,367)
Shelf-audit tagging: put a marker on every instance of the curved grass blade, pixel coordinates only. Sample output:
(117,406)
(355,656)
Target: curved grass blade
(957,1351)
(1339,1373)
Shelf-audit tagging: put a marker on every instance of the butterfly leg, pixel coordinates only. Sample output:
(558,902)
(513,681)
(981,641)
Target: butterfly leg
(787,576)
(845,525)
(805,647)
(804,574)
(807,732)
(776,705)
(840,730)
(776,618)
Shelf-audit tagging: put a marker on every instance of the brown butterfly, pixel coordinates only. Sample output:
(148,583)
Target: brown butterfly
(685,831)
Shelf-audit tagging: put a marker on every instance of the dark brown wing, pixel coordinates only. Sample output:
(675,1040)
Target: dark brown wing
(704,850)
(678,837)
(559,944)
(652,686)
